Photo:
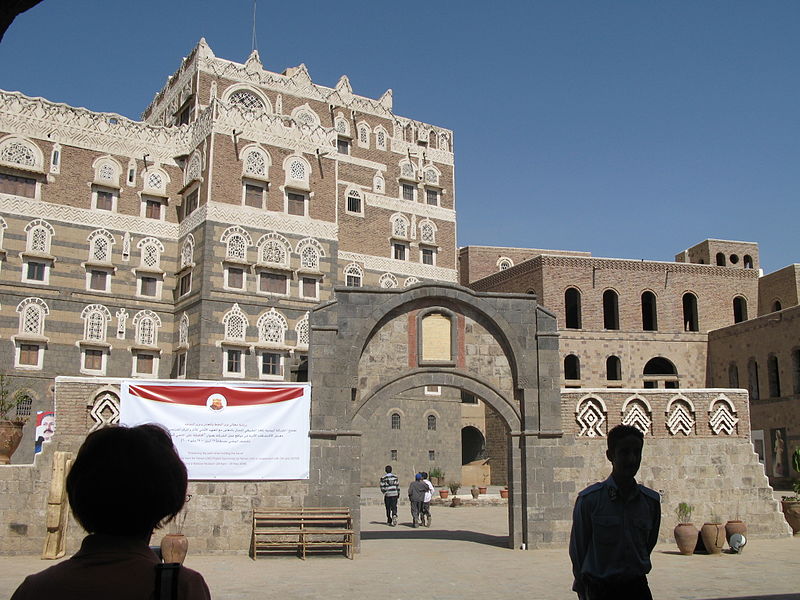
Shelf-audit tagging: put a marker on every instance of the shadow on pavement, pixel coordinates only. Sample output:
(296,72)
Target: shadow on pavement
(765,597)
(404,531)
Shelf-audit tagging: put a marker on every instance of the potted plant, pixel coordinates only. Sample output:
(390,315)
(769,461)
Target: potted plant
(713,535)
(436,476)
(504,492)
(454,487)
(10,427)
(481,489)
(685,532)
(443,494)
(174,546)
(475,492)
(791,504)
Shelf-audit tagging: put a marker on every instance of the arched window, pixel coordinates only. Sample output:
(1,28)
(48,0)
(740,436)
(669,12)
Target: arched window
(100,242)
(739,309)
(183,330)
(235,323)
(353,275)
(194,169)
(22,153)
(572,308)
(431,422)
(95,318)
(256,163)
(610,309)
(309,257)
(150,250)
(272,328)
(572,367)
(399,226)
(773,376)
(649,312)
(752,379)
(273,249)
(733,375)
(776,306)
(302,331)
(40,234)
(187,252)
(690,320)
(236,247)
(387,280)
(660,370)
(246,99)
(427,232)
(380,138)
(720,259)
(504,263)
(32,312)
(395,420)
(297,169)
(146,323)
(748,261)
(613,368)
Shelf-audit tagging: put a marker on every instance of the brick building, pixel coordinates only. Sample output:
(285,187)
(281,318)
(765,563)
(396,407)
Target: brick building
(708,319)
(193,243)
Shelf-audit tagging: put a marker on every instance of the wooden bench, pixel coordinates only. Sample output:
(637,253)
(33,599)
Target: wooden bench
(302,529)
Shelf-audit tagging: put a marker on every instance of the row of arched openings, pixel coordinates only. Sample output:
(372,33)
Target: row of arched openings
(655,369)
(396,421)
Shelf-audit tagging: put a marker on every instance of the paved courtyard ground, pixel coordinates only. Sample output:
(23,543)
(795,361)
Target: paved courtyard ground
(463,555)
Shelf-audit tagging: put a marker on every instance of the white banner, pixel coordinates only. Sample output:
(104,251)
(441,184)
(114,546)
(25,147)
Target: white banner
(225,430)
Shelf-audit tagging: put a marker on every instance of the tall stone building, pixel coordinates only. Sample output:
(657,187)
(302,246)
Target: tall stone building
(193,243)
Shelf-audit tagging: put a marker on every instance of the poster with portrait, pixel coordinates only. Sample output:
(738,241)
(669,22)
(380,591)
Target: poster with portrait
(779,454)
(45,429)
(225,430)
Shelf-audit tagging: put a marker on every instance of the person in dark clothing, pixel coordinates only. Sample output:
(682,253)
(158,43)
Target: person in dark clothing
(390,486)
(615,527)
(416,495)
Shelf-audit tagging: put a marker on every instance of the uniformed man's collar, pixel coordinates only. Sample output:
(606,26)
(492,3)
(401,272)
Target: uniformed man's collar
(613,488)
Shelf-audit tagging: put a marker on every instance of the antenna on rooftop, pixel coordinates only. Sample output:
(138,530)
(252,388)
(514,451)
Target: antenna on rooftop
(255,43)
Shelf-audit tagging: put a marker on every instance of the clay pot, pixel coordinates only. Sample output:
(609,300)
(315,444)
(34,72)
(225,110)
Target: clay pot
(504,493)
(791,512)
(734,526)
(713,535)
(10,437)
(481,489)
(444,493)
(686,538)
(174,547)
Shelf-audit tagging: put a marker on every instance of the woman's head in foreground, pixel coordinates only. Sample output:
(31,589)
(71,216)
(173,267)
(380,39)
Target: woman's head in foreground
(127,481)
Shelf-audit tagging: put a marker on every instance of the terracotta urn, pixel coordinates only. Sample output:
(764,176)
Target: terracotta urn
(444,493)
(686,538)
(713,535)
(482,489)
(734,526)
(791,512)
(10,437)
(504,493)
(456,501)
(174,547)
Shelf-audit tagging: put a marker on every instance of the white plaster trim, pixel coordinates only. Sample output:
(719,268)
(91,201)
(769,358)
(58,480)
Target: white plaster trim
(285,223)
(406,206)
(400,267)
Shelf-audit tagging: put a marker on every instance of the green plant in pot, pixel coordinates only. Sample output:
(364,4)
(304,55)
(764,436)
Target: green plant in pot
(10,426)
(791,504)
(685,532)
(713,535)
(436,475)
(454,487)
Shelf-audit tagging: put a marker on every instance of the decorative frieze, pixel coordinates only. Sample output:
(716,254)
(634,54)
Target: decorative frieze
(401,267)
(406,206)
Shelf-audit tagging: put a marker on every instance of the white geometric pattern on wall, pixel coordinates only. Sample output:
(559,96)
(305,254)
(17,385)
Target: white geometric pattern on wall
(680,416)
(590,415)
(104,410)
(722,416)
(636,412)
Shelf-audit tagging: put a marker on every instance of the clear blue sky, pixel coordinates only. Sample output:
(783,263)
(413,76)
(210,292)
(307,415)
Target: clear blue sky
(627,128)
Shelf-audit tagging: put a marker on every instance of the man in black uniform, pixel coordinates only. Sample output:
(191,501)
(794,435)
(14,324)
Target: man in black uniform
(615,527)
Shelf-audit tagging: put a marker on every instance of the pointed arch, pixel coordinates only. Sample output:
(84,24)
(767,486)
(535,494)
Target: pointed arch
(235,323)
(272,326)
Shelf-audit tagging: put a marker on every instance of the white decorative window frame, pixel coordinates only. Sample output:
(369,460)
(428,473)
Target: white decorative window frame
(410,281)
(363,128)
(147,178)
(242,354)
(362,201)
(302,245)
(298,329)
(47,265)
(293,182)
(86,314)
(427,223)
(37,163)
(235,312)
(102,166)
(231,232)
(353,270)
(380,129)
(103,360)
(244,155)
(278,238)
(56,154)
(379,183)
(243,87)
(272,315)
(396,234)
(137,319)
(305,108)
(504,263)
(387,281)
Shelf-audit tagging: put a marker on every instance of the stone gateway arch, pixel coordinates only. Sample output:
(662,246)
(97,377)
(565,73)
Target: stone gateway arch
(370,347)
